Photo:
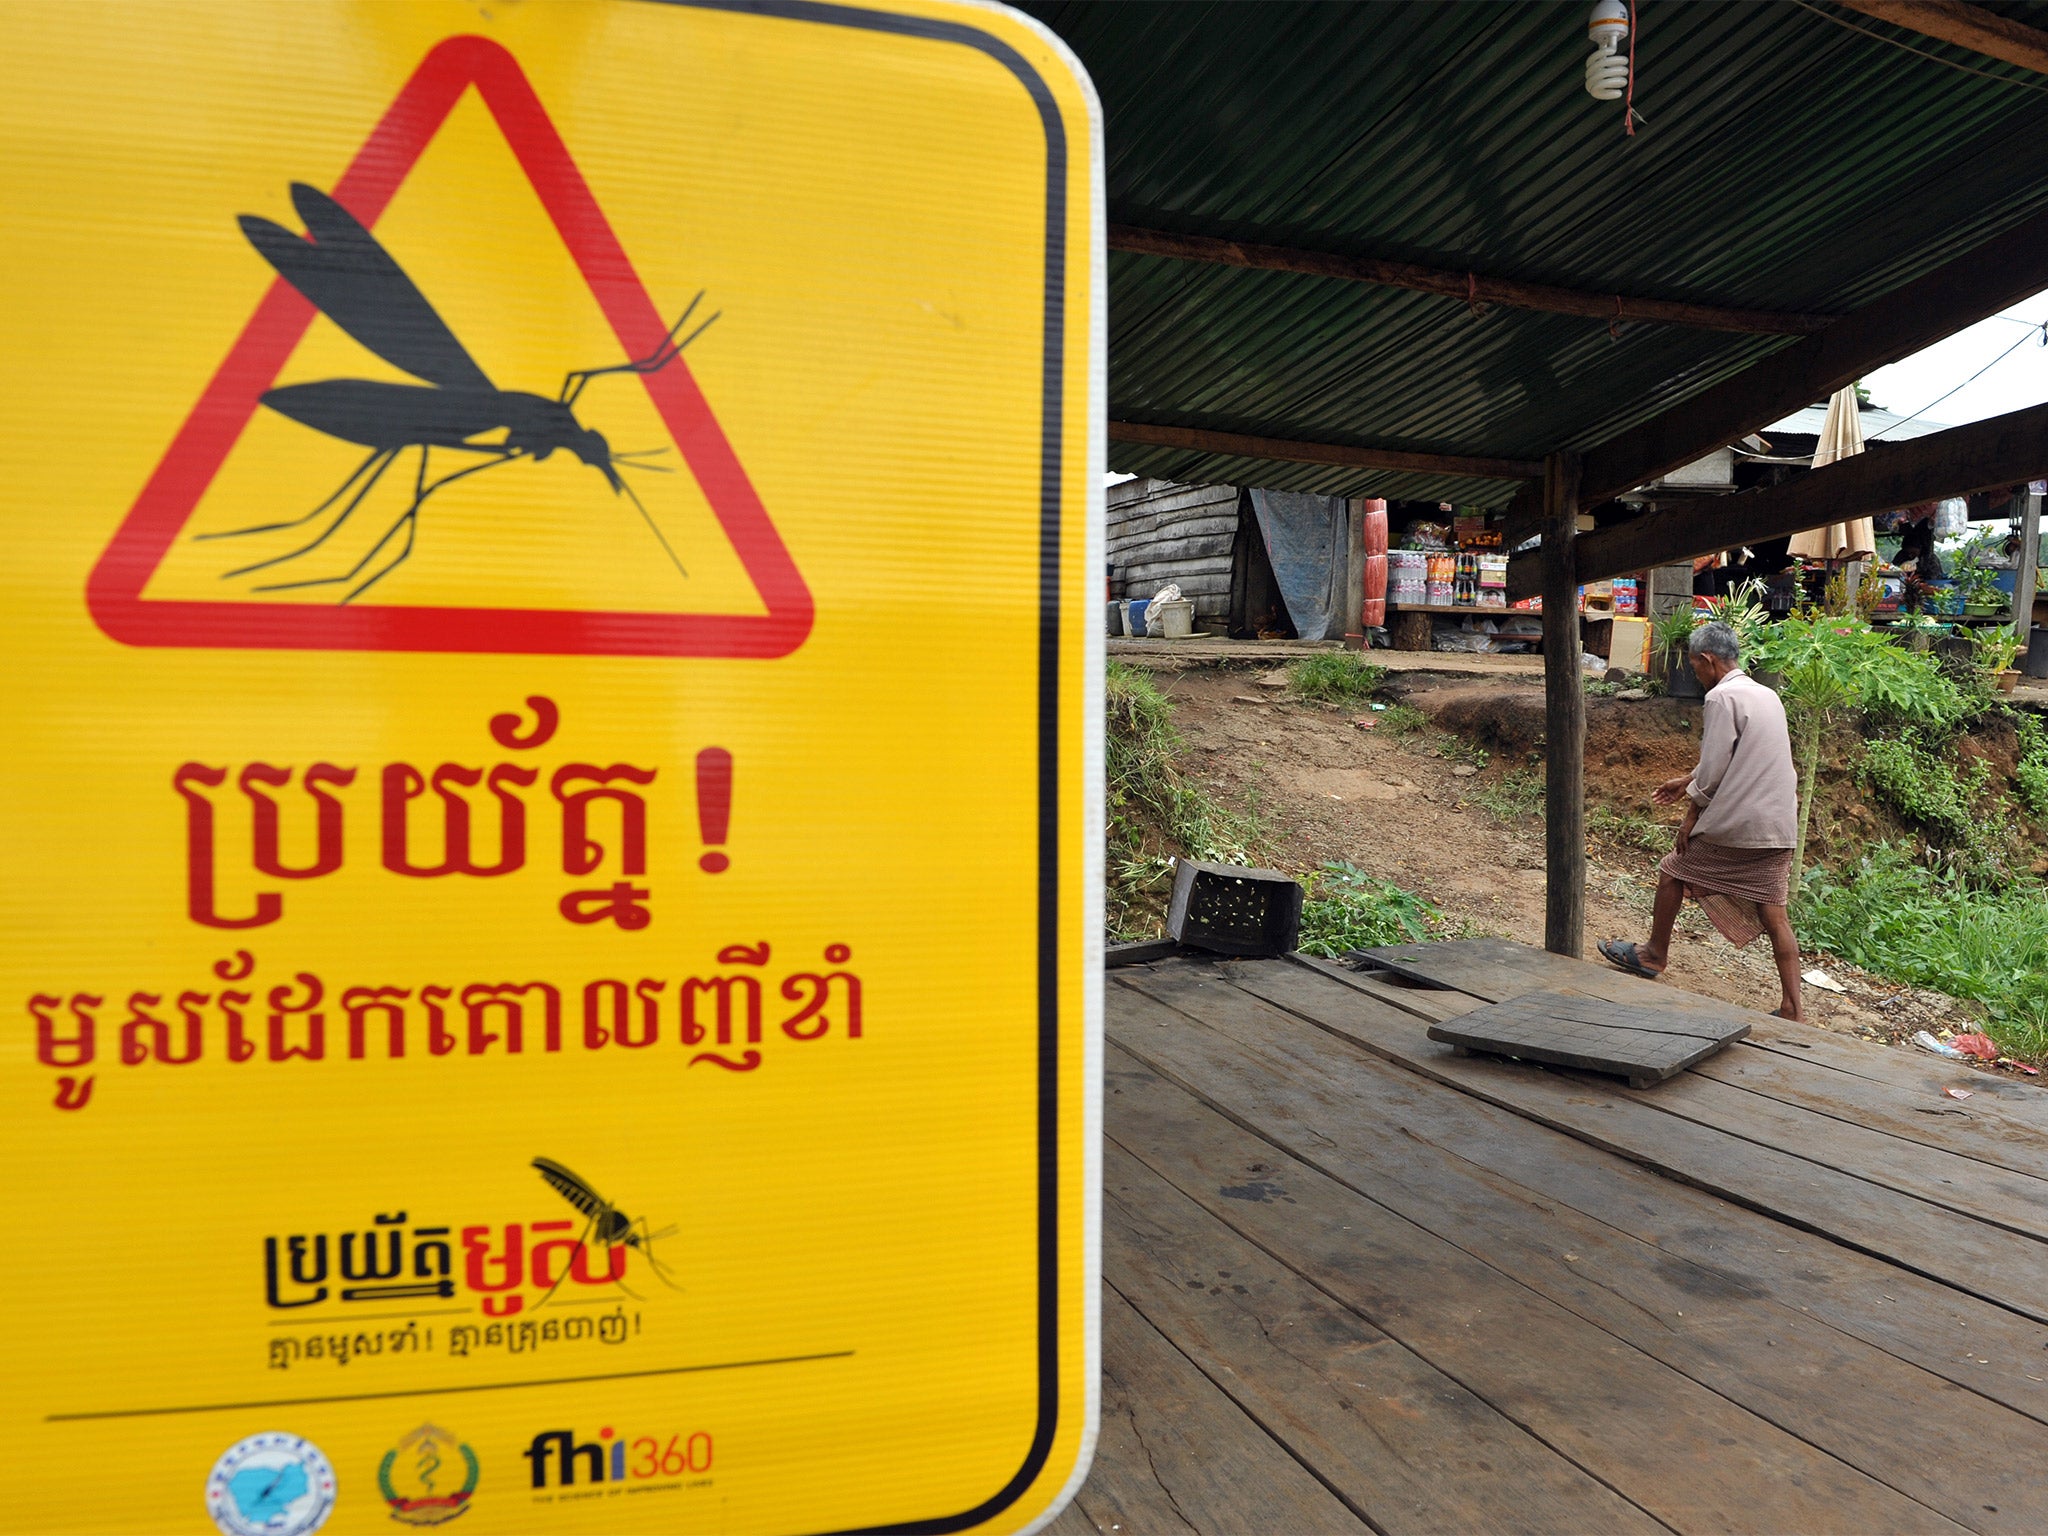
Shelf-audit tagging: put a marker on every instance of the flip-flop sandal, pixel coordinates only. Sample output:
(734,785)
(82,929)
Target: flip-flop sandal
(1622,954)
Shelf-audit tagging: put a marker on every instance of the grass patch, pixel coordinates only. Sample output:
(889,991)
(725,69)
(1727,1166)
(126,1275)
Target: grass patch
(1955,805)
(1515,794)
(1335,677)
(1459,750)
(1631,829)
(1344,908)
(1401,720)
(2032,773)
(1931,928)
(1154,811)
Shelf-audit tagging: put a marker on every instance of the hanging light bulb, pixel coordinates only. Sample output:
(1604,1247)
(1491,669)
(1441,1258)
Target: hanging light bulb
(1607,69)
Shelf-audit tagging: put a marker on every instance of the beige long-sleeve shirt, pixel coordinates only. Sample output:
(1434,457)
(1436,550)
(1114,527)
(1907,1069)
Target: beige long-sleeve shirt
(1745,786)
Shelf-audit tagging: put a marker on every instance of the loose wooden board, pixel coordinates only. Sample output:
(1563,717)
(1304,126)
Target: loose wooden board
(1568,1029)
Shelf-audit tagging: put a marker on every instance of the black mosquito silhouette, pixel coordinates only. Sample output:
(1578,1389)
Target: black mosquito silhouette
(603,1223)
(354,281)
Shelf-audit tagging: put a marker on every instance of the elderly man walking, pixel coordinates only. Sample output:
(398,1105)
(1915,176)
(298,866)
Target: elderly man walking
(1733,852)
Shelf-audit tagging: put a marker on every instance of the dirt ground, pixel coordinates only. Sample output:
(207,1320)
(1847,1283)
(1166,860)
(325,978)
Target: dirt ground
(1330,783)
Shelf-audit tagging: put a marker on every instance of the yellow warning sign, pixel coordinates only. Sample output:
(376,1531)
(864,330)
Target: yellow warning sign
(552,590)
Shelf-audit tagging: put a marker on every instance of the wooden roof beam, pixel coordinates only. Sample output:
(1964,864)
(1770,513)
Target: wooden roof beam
(1994,276)
(1967,26)
(1468,286)
(1288,451)
(2005,450)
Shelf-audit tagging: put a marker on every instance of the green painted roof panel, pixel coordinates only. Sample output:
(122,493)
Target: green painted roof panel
(1786,163)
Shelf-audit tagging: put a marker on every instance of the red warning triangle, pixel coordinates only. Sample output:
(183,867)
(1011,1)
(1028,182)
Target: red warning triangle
(114,590)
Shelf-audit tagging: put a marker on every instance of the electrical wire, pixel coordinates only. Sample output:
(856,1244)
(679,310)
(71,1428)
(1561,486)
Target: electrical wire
(1986,74)
(1628,115)
(1973,378)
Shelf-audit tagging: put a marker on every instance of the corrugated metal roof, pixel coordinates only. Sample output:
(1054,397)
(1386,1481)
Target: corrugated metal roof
(1787,163)
(1889,425)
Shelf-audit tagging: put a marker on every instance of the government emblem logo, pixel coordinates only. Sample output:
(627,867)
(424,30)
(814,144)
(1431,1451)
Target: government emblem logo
(428,1477)
(271,1484)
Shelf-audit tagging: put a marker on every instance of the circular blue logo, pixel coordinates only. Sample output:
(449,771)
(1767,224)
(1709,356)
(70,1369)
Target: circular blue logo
(270,1485)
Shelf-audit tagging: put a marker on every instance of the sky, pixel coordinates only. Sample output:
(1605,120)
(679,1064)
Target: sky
(2009,383)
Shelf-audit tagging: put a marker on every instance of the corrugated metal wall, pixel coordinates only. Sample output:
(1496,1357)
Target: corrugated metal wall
(1161,532)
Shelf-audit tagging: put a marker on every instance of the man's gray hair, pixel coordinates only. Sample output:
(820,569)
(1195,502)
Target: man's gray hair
(1716,639)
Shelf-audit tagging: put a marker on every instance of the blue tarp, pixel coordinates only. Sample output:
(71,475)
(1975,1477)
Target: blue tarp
(1306,541)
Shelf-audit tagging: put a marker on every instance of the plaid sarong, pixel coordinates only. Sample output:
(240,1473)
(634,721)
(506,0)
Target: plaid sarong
(1730,884)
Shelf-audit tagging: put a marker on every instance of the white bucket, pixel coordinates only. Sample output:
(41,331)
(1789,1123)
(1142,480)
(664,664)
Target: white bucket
(1176,619)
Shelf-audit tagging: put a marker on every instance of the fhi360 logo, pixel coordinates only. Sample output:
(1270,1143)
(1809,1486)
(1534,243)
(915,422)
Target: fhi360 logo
(614,1457)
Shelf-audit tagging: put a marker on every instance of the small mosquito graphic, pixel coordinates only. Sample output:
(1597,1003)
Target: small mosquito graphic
(603,1223)
(353,280)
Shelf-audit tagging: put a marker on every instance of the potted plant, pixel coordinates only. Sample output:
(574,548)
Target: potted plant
(1742,610)
(1997,647)
(1982,596)
(1671,635)
(1976,579)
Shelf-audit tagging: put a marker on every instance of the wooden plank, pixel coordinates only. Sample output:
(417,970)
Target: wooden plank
(1568,1004)
(2002,450)
(1908,1072)
(2017,1200)
(1205,503)
(1147,493)
(1997,1265)
(1465,287)
(1686,1455)
(1490,969)
(1452,1165)
(1287,450)
(1406,1445)
(1205,518)
(1967,26)
(1564,714)
(1142,952)
(1998,273)
(1179,548)
(1430,1003)
(1351,580)
(1929,1117)
(1175,1455)
(1647,1046)
(1738,1252)
(1498,969)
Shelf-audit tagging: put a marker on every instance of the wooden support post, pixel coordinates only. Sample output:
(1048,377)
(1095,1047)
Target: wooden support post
(1564,714)
(2023,578)
(1352,574)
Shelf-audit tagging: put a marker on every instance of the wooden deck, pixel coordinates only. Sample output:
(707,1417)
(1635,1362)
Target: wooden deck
(1353,1281)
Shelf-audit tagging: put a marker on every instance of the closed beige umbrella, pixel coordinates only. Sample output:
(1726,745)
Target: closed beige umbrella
(1840,435)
